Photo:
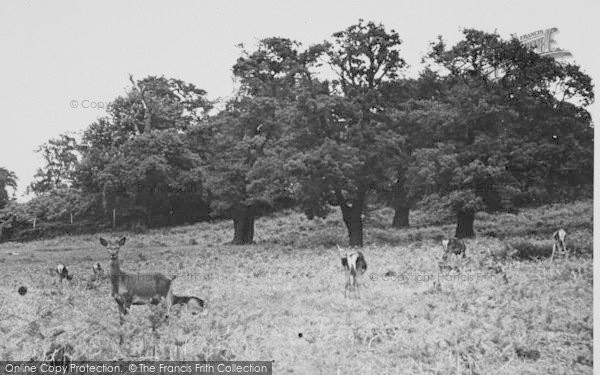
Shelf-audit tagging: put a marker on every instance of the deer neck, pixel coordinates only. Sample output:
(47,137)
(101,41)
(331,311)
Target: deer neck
(115,274)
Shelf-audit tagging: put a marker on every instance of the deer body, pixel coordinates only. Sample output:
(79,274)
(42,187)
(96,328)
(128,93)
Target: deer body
(355,265)
(559,238)
(141,289)
(454,246)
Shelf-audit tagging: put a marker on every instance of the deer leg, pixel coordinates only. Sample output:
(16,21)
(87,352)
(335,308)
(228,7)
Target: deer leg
(128,302)
(347,286)
(122,312)
(120,303)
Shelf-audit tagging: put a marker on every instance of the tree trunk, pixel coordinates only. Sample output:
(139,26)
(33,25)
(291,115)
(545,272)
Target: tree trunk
(400,217)
(464,224)
(243,228)
(353,219)
(400,202)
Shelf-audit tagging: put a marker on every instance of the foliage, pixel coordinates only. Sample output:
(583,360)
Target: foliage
(241,172)
(138,160)
(159,103)
(154,176)
(488,126)
(61,160)
(8,179)
(504,140)
(332,127)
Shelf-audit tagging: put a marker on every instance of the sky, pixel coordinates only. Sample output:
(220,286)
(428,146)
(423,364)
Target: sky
(61,62)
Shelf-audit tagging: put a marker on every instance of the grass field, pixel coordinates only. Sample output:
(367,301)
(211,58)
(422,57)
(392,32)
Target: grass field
(503,310)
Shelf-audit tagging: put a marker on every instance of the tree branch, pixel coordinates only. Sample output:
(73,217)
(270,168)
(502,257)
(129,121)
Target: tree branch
(147,112)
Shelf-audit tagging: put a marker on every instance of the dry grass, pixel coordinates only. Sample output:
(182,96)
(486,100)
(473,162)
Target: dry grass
(282,299)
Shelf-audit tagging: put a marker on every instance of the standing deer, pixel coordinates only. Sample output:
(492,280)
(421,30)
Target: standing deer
(355,265)
(559,238)
(454,246)
(128,289)
(343,257)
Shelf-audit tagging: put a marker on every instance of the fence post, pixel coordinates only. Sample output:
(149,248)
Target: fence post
(71,217)
(114,218)
(34,219)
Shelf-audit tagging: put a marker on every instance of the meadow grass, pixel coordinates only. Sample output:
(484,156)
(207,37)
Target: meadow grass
(497,312)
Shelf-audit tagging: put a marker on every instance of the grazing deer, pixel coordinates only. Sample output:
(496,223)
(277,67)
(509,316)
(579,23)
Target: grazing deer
(355,266)
(454,246)
(193,304)
(130,289)
(63,272)
(559,238)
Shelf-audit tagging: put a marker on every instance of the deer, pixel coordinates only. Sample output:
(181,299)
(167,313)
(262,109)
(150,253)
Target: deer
(128,289)
(193,304)
(63,272)
(355,265)
(97,270)
(344,257)
(559,244)
(454,246)
(97,275)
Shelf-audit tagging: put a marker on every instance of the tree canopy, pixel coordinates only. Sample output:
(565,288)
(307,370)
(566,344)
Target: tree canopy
(487,125)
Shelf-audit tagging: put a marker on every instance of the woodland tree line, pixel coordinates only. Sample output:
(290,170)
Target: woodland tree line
(487,125)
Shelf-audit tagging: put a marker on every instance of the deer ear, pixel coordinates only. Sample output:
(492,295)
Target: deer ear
(122,241)
(103,242)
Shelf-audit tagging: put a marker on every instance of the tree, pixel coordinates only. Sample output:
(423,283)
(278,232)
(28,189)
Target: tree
(61,159)
(228,177)
(8,179)
(242,181)
(159,103)
(328,147)
(155,178)
(516,128)
(416,114)
(138,159)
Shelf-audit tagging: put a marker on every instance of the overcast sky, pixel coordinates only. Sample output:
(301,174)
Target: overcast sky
(62,54)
